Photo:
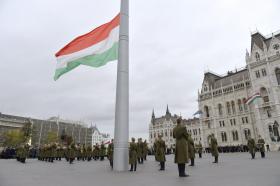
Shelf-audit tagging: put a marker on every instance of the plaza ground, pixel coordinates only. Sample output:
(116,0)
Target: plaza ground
(234,169)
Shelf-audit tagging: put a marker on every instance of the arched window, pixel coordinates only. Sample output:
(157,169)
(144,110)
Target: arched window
(171,134)
(264,94)
(244,104)
(228,107)
(239,102)
(277,73)
(235,135)
(206,109)
(275,129)
(247,133)
(224,136)
(233,107)
(220,108)
(257,55)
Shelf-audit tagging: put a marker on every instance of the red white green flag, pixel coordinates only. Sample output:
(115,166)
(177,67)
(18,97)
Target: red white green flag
(94,49)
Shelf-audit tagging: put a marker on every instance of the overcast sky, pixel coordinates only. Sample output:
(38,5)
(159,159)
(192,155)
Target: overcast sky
(172,44)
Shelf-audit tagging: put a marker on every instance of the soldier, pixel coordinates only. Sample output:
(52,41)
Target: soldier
(214,148)
(199,148)
(252,146)
(102,151)
(145,153)
(261,143)
(191,149)
(161,148)
(140,149)
(133,155)
(181,148)
(111,153)
(155,149)
(88,153)
(72,153)
(96,152)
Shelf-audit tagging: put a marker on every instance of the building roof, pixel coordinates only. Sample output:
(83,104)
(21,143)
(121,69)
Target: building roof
(259,39)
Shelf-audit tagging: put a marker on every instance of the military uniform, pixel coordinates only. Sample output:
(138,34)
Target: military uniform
(140,150)
(145,152)
(102,152)
(181,149)
(214,148)
(111,153)
(252,147)
(191,149)
(133,155)
(155,149)
(199,149)
(261,143)
(161,152)
(72,153)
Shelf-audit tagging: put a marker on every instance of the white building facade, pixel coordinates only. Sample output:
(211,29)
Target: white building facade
(222,98)
(164,126)
(98,138)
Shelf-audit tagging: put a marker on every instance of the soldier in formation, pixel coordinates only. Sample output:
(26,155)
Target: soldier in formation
(191,149)
(133,155)
(199,149)
(102,151)
(214,148)
(251,146)
(181,149)
(261,143)
(110,153)
(160,152)
(96,152)
(22,153)
(140,151)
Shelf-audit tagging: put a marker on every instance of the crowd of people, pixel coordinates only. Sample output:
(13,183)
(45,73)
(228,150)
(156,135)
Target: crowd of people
(184,152)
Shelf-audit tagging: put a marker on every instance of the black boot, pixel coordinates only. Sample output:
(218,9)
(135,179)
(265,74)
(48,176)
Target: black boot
(161,166)
(131,167)
(135,165)
(200,155)
(192,162)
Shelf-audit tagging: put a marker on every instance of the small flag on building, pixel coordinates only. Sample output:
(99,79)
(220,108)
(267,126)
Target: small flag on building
(250,99)
(95,48)
(198,112)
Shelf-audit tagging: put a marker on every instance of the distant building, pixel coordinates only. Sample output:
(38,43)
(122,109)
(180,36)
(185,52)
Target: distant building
(164,126)
(98,137)
(40,128)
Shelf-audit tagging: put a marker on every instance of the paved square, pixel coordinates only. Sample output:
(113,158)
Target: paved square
(235,169)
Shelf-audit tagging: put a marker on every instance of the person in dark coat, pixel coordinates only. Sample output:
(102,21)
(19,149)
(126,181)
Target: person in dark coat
(181,149)
(161,148)
(251,146)
(261,143)
(133,155)
(214,148)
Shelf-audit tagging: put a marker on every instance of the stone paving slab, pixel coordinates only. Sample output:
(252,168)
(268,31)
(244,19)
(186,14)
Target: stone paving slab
(235,169)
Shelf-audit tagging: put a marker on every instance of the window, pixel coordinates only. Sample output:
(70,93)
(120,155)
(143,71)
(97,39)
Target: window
(235,135)
(239,105)
(233,107)
(275,129)
(268,111)
(247,133)
(263,72)
(244,104)
(206,109)
(171,134)
(257,55)
(257,74)
(224,136)
(220,108)
(264,95)
(228,107)
(277,73)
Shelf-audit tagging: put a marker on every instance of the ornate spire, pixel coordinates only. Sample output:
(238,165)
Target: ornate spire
(153,117)
(168,114)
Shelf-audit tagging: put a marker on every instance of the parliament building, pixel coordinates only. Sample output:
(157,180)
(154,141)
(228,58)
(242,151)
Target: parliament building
(223,101)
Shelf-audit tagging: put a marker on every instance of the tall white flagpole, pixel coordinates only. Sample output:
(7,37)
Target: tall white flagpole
(122,94)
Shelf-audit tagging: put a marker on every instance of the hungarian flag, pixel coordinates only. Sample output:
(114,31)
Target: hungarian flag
(252,98)
(95,48)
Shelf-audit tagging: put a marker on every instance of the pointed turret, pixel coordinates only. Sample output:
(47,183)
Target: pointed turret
(168,114)
(153,117)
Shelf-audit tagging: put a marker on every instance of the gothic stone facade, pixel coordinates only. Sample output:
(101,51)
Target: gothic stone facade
(222,97)
(164,126)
